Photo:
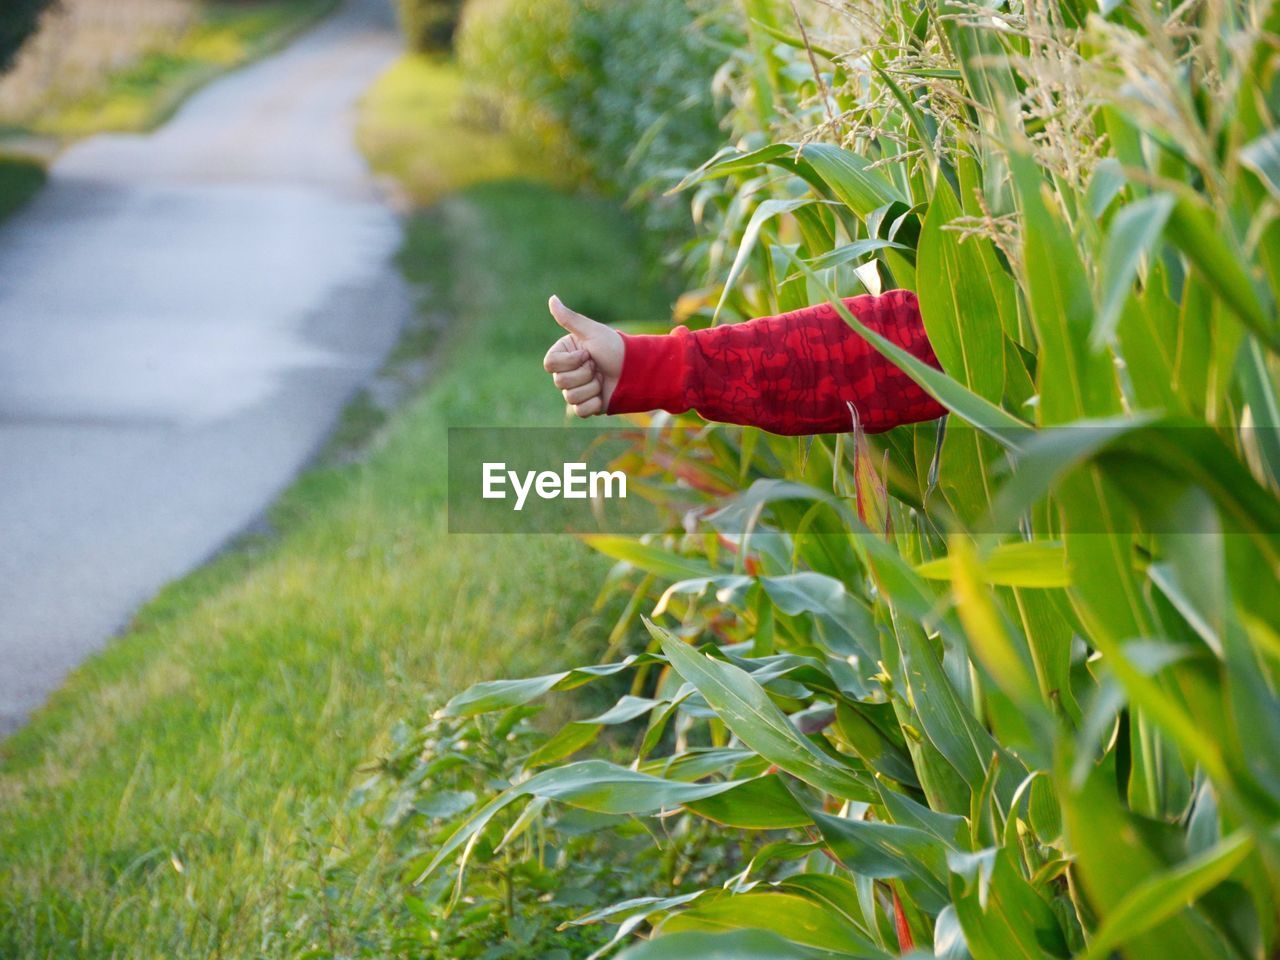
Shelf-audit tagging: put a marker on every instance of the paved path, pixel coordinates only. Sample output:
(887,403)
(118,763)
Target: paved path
(182,317)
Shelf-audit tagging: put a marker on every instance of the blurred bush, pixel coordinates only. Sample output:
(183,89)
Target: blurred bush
(619,93)
(18,19)
(78,45)
(429,25)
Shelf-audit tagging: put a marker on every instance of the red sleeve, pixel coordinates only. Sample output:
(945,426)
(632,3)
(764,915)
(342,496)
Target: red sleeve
(793,374)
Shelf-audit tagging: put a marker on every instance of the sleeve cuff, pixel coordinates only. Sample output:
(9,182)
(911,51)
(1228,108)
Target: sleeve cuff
(654,374)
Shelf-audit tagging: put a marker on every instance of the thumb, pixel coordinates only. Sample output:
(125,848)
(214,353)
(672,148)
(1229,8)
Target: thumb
(578,325)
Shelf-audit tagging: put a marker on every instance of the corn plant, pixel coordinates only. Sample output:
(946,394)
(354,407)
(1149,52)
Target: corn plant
(1004,686)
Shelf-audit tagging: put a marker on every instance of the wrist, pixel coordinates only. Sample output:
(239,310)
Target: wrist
(653,374)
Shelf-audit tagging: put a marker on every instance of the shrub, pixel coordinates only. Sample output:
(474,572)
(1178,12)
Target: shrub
(1005,686)
(619,91)
(526,889)
(429,25)
(17,21)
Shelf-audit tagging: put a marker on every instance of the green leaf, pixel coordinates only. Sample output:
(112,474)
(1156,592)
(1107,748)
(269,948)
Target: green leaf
(697,762)
(1194,229)
(730,161)
(739,945)
(798,42)
(1006,659)
(571,738)
(1134,233)
(948,936)
(808,592)
(1106,183)
(729,589)
(947,722)
(796,918)
(759,217)
(628,708)
(924,137)
(1113,859)
(1048,455)
(501,694)
(465,836)
(1153,461)
(1259,391)
(835,894)
(952,830)
(1019,563)
(1262,156)
(852,251)
(608,788)
(1165,894)
(1050,632)
(593,785)
(877,742)
(960,306)
(1075,380)
(745,708)
(1158,348)
(1002,916)
(648,558)
(887,851)
(764,803)
(851,178)
(637,906)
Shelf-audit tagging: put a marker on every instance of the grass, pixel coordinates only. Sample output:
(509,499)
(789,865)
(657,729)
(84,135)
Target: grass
(184,793)
(403,113)
(20,178)
(145,93)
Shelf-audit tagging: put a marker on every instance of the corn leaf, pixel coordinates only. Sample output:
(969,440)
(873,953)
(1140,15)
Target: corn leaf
(1164,895)
(1134,234)
(1020,563)
(747,710)
(738,945)
(851,178)
(797,918)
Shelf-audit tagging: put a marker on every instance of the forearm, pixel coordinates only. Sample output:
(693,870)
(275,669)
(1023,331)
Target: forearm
(795,373)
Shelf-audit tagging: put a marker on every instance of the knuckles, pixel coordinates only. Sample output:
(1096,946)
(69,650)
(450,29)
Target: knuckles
(582,393)
(572,378)
(573,373)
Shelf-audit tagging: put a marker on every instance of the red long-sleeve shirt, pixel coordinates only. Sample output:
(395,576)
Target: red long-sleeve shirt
(794,373)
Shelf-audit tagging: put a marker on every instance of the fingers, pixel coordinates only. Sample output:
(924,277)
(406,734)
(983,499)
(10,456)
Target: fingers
(575,378)
(564,355)
(571,320)
(583,393)
(589,408)
(572,369)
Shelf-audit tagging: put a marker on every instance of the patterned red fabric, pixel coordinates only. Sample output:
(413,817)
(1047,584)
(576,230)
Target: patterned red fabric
(792,374)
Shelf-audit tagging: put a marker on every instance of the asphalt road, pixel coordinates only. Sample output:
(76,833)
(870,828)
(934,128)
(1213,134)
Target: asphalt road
(182,317)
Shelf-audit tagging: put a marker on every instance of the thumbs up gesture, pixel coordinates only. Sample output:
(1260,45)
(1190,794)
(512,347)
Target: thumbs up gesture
(585,363)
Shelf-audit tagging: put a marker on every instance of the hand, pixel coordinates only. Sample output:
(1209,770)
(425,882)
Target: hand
(586,363)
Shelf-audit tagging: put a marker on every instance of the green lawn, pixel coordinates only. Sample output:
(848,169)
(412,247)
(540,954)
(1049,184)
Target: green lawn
(184,794)
(20,178)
